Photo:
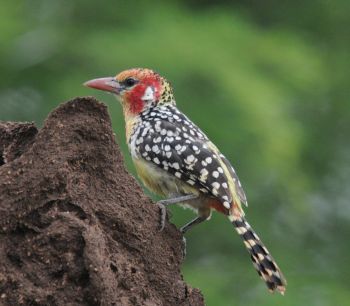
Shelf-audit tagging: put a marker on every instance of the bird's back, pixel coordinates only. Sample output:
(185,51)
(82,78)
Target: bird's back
(163,138)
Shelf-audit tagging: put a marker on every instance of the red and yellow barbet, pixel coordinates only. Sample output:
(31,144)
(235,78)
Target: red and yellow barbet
(176,160)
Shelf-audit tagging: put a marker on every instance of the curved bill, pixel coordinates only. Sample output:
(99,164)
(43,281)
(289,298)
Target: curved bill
(109,84)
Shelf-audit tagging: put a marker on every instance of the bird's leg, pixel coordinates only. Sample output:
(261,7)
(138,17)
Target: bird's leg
(192,223)
(163,203)
(179,199)
(188,226)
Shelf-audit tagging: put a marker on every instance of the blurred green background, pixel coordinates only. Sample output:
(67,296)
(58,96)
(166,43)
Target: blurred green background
(268,81)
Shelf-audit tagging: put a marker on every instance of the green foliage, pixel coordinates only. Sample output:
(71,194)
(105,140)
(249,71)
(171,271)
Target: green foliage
(268,83)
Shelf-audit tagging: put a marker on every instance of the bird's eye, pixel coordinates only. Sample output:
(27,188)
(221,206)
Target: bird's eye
(130,82)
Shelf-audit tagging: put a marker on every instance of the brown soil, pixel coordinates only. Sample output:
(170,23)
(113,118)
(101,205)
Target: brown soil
(75,227)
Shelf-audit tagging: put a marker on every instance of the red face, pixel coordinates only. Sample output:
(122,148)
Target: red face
(136,88)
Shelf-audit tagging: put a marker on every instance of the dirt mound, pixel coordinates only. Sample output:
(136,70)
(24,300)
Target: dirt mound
(75,227)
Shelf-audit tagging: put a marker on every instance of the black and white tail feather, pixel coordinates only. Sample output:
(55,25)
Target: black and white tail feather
(263,262)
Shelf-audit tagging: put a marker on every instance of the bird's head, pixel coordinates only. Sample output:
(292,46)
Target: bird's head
(137,89)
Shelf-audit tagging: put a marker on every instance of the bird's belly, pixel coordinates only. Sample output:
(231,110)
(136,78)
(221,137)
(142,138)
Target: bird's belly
(164,184)
(161,182)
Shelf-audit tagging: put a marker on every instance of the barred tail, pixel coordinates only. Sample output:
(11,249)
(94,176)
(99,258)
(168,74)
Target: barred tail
(262,260)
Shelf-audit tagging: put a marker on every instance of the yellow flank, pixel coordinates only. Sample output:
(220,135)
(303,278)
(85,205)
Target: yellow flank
(159,181)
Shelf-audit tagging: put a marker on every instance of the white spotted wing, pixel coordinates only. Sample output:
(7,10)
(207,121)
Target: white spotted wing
(175,144)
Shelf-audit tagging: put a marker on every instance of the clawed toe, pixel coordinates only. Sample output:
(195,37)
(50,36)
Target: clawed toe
(184,243)
(163,213)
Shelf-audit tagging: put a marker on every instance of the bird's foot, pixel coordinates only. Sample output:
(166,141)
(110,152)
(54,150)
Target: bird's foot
(184,246)
(163,214)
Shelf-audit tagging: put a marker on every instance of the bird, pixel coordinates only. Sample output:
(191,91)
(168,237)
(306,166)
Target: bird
(176,160)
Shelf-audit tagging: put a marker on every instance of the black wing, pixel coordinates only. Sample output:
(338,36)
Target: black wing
(184,151)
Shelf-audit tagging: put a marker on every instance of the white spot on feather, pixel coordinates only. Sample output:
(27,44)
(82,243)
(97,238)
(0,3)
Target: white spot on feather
(227,204)
(204,174)
(190,159)
(178,174)
(216,185)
